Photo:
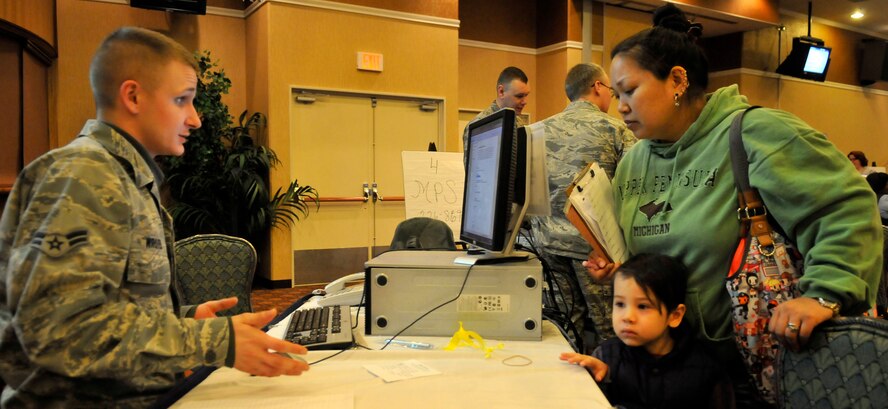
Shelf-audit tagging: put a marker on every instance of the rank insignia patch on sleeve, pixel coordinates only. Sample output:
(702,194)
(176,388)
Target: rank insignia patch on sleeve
(56,244)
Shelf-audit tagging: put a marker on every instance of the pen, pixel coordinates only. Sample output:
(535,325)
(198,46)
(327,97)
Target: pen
(409,344)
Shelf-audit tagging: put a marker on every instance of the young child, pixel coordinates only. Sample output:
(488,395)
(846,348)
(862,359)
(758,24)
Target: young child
(654,361)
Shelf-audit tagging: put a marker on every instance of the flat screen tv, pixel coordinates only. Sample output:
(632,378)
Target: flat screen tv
(182,6)
(808,59)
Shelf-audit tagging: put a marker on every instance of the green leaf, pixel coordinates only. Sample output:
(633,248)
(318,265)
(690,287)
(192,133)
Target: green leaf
(220,184)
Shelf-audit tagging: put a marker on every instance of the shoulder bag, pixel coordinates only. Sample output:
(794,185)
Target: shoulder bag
(764,272)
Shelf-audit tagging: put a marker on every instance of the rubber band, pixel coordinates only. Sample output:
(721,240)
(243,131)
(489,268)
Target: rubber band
(522,360)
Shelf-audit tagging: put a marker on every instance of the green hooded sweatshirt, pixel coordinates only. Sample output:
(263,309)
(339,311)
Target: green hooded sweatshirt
(680,199)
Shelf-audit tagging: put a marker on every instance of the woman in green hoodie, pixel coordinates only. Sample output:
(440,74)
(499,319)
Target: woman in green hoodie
(675,191)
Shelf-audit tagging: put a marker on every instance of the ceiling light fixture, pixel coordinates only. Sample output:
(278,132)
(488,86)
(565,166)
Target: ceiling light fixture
(857,14)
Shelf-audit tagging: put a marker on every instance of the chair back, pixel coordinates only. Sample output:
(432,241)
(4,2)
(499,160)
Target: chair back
(422,233)
(844,365)
(214,266)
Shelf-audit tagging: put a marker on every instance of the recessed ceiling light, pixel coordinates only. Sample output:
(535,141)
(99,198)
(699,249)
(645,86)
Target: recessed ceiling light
(857,14)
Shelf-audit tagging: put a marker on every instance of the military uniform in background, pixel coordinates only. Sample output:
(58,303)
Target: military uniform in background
(519,121)
(87,306)
(575,137)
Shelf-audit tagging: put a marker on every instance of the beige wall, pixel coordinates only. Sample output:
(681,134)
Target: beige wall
(478,70)
(853,118)
(320,52)
(552,67)
(83,24)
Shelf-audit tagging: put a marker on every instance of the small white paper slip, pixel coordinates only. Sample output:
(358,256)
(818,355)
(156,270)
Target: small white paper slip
(401,370)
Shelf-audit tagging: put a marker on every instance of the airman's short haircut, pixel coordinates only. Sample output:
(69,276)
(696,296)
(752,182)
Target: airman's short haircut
(132,53)
(509,74)
(580,78)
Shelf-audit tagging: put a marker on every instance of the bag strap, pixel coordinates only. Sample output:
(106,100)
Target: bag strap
(752,213)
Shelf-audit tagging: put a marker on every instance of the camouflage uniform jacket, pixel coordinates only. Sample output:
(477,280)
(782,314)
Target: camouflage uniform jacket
(86,285)
(575,137)
(519,121)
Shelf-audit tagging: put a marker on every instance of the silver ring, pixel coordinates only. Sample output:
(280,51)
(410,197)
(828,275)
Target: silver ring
(792,327)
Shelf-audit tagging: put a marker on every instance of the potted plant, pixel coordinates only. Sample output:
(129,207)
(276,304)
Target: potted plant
(220,184)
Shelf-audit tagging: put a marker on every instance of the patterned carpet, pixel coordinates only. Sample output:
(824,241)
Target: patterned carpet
(264,299)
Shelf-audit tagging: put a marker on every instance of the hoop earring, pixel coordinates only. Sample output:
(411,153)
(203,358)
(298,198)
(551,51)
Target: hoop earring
(676,100)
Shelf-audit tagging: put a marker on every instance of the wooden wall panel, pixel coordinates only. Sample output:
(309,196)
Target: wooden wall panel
(436,8)
(228,4)
(35,16)
(510,22)
(551,22)
(11,114)
(35,91)
(82,25)
(764,10)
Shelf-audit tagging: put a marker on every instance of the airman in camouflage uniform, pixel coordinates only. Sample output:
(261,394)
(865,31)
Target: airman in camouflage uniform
(88,307)
(580,134)
(511,92)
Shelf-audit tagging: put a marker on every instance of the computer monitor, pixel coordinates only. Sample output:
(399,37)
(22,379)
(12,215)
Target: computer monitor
(817,61)
(808,59)
(495,195)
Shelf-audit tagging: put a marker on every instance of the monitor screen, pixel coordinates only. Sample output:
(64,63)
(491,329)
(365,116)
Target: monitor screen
(493,199)
(818,58)
(808,59)
(483,179)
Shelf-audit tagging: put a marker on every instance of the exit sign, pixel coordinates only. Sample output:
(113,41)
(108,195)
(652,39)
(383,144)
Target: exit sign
(369,61)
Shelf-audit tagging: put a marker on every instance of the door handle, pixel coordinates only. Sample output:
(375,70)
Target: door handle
(376,195)
(367,192)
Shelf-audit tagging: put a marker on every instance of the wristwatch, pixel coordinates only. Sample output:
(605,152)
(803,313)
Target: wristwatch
(834,306)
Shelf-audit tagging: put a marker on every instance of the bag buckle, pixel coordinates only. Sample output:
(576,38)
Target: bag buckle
(746,213)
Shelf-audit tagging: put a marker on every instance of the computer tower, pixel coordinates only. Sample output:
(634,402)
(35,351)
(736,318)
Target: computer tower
(499,301)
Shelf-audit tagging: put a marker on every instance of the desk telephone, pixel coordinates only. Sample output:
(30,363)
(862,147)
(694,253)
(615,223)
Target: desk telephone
(336,293)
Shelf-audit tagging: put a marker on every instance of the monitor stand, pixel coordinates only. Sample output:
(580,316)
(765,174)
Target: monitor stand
(491,258)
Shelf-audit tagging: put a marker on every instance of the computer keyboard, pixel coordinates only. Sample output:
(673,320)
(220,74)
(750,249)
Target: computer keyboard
(327,327)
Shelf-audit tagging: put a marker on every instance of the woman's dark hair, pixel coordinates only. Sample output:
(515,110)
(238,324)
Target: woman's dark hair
(858,155)
(671,42)
(878,182)
(663,276)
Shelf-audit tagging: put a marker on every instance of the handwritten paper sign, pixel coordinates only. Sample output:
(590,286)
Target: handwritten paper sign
(433,186)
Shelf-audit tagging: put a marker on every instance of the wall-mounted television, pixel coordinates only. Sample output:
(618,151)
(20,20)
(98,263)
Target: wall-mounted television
(808,59)
(182,6)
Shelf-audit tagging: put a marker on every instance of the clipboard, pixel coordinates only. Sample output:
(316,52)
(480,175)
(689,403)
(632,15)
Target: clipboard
(590,208)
